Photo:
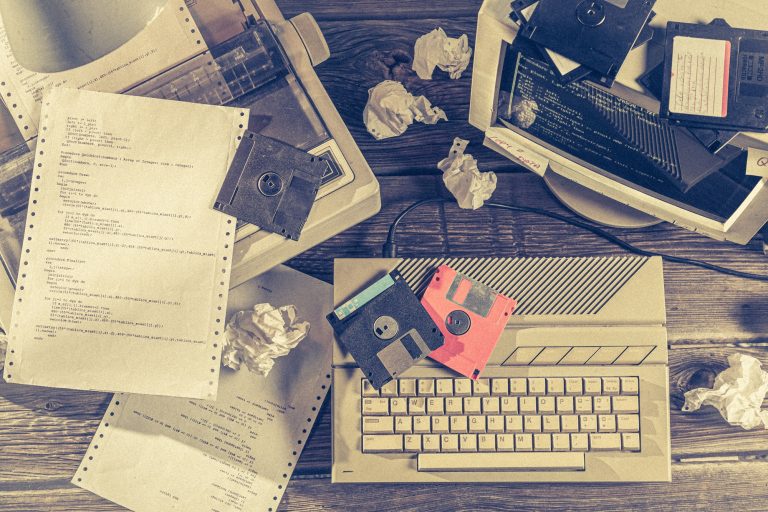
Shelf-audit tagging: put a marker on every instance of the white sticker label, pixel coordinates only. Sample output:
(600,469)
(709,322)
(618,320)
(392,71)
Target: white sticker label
(757,162)
(700,69)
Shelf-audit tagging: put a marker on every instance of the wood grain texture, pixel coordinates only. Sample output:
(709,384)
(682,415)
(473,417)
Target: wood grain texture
(381,9)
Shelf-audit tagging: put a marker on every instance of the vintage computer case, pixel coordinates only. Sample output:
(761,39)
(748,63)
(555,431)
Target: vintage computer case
(583,187)
(240,53)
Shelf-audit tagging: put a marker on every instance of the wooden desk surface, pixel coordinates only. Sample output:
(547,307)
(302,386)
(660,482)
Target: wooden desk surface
(45,432)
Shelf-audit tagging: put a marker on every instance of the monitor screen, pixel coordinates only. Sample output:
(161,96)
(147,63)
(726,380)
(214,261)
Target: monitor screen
(617,138)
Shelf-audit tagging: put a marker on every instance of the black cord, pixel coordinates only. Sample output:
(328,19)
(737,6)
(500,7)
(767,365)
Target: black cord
(389,249)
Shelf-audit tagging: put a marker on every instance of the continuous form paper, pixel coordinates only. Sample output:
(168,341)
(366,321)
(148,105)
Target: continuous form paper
(391,110)
(170,38)
(235,454)
(436,49)
(258,336)
(125,263)
(463,179)
(738,393)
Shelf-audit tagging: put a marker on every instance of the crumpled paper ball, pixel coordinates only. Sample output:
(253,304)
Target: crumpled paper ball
(436,49)
(738,393)
(391,110)
(463,179)
(256,338)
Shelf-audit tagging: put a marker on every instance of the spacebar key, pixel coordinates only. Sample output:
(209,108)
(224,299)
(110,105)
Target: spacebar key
(501,461)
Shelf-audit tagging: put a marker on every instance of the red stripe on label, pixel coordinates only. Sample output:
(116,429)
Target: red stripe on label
(726,75)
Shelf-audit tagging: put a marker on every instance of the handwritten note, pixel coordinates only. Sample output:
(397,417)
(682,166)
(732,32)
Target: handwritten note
(700,71)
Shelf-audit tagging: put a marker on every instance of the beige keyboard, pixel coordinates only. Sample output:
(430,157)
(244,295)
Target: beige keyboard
(533,414)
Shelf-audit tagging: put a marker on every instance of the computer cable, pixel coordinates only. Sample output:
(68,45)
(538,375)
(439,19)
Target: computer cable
(389,250)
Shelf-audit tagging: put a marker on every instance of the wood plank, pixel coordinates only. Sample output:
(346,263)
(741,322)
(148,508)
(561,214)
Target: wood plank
(44,432)
(706,486)
(384,9)
(368,52)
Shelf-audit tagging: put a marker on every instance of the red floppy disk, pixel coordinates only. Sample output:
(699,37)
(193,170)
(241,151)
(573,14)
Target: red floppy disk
(470,315)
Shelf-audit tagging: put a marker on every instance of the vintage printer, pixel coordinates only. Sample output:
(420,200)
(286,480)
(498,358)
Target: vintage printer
(610,154)
(238,53)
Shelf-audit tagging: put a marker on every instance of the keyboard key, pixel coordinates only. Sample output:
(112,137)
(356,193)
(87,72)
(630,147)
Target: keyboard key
(509,404)
(505,443)
(555,386)
(546,405)
(382,443)
(453,405)
(422,425)
(528,404)
(490,405)
(378,425)
(472,405)
(398,406)
(435,406)
(481,387)
(602,404)
(408,388)
(368,389)
(417,406)
(458,424)
(532,423)
(588,423)
(444,387)
(630,442)
(551,424)
(449,443)
(463,387)
(413,443)
(440,424)
(486,443)
(426,387)
(468,442)
(523,442)
(430,443)
(573,386)
(403,425)
(389,389)
(564,404)
(375,406)
(500,386)
(579,442)
(628,423)
(592,386)
(625,404)
(611,386)
(605,442)
(513,423)
(583,404)
(606,423)
(569,423)
(542,443)
(536,386)
(629,385)
(495,423)
(518,386)
(561,442)
(477,423)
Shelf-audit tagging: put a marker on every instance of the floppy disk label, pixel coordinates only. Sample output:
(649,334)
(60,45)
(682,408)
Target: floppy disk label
(385,329)
(700,74)
(471,316)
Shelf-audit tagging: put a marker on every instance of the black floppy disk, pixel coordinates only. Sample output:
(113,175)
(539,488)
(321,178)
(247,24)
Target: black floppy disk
(271,185)
(716,77)
(596,33)
(385,329)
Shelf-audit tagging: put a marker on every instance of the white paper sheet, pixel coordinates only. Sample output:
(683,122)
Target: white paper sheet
(700,74)
(757,162)
(125,262)
(171,38)
(436,49)
(236,454)
(463,179)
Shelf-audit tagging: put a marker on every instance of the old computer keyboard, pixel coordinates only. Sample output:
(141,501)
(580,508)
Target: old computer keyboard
(533,414)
